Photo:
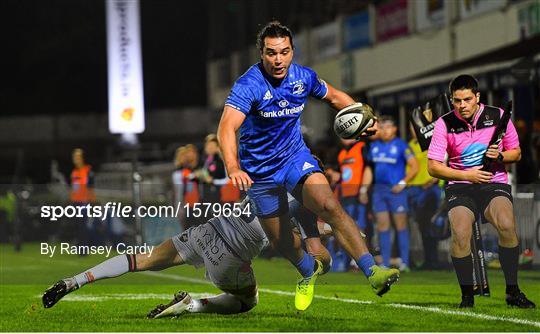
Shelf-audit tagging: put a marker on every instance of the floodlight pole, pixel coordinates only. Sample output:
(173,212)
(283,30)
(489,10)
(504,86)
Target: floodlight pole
(136,183)
(136,179)
(130,142)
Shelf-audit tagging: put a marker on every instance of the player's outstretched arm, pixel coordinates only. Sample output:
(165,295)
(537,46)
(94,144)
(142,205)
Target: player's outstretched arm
(337,98)
(230,122)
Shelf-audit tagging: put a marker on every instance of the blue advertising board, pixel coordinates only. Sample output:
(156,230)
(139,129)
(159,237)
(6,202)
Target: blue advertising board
(356,31)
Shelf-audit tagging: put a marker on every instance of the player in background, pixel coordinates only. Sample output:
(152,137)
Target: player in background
(389,156)
(464,134)
(271,157)
(353,188)
(233,242)
(424,195)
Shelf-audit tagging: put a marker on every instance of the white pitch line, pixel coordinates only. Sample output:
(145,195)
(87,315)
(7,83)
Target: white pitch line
(368,302)
(123,296)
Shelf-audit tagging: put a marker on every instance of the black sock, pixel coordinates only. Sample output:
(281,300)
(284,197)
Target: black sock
(464,272)
(509,258)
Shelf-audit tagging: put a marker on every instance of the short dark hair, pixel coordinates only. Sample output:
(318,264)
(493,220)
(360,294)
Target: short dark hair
(273,29)
(464,81)
(387,118)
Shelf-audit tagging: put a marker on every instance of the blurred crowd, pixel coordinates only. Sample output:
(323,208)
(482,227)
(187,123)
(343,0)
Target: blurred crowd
(197,180)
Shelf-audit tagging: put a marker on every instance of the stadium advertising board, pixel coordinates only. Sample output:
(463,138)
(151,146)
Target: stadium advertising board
(472,8)
(126,102)
(392,20)
(356,31)
(424,116)
(529,19)
(326,41)
(430,14)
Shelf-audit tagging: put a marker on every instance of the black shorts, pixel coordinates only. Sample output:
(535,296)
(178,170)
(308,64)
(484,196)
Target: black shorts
(476,197)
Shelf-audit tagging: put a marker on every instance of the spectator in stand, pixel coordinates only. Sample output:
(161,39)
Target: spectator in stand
(213,172)
(81,194)
(186,184)
(178,181)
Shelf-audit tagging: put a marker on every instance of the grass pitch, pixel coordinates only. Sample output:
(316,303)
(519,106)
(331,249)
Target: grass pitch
(420,301)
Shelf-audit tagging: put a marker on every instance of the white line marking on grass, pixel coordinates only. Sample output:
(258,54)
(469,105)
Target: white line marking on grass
(468,314)
(368,302)
(124,296)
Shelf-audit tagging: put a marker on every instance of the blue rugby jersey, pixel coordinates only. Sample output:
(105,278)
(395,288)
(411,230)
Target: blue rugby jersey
(389,160)
(271,134)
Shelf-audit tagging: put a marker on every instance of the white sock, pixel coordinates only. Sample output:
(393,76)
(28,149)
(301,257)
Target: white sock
(112,267)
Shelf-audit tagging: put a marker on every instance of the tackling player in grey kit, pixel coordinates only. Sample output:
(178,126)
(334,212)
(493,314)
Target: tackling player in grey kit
(225,246)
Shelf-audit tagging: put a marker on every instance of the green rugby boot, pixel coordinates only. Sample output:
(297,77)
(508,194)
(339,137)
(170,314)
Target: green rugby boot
(305,288)
(381,279)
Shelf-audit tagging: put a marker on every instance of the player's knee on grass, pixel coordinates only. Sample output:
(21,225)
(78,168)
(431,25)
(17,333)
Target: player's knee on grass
(248,302)
(248,297)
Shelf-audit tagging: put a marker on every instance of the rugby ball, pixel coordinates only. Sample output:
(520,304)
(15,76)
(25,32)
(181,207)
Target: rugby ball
(352,120)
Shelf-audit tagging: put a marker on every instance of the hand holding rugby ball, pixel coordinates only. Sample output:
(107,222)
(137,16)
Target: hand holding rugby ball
(352,121)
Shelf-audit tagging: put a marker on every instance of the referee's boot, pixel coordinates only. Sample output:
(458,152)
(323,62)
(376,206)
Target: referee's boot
(467,301)
(518,299)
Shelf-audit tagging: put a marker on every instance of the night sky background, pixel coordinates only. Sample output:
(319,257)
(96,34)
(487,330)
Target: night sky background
(54,55)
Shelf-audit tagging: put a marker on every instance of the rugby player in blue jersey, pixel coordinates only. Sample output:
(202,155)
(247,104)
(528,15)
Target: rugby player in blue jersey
(272,159)
(389,156)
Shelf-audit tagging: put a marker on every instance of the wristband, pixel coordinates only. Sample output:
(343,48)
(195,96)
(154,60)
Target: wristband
(363,189)
(402,183)
(500,157)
